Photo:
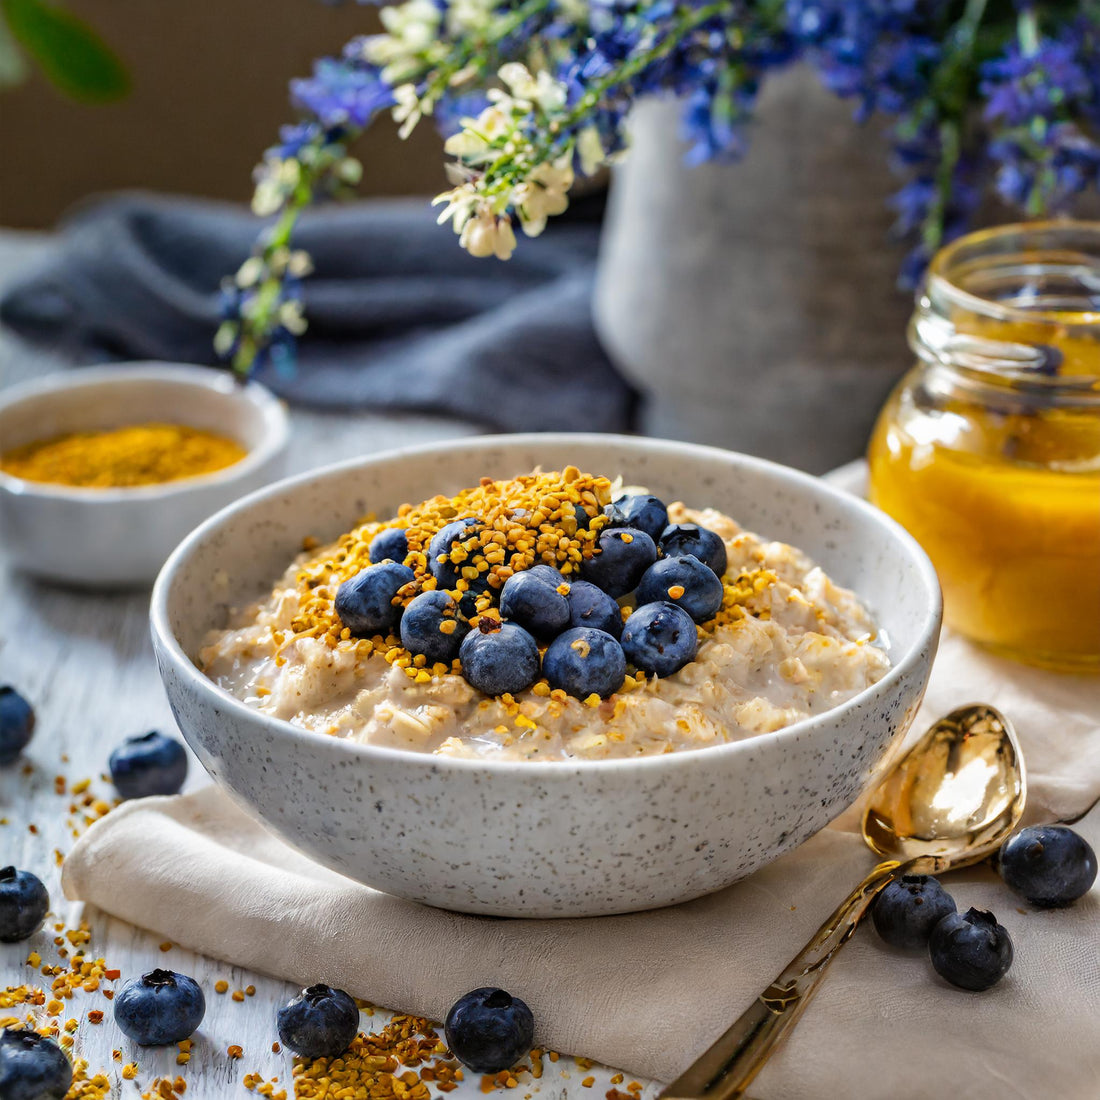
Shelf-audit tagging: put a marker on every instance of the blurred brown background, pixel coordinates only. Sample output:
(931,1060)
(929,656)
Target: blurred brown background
(209,94)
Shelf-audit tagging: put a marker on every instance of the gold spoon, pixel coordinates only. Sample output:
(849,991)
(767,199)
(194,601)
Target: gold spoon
(950,801)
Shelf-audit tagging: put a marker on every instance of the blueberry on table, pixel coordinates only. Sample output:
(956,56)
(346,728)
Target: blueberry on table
(456,540)
(592,606)
(639,510)
(622,555)
(159,1008)
(319,1023)
(489,1030)
(367,603)
(681,539)
(432,625)
(907,910)
(24,903)
(32,1067)
(1049,865)
(686,582)
(970,950)
(584,662)
(531,599)
(660,638)
(148,765)
(16,724)
(392,544)
(496,659)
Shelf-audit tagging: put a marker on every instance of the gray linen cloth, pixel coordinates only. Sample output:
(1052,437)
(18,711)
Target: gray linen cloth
(400,317)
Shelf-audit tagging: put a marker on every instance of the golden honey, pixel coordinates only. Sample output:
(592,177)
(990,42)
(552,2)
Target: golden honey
(988,452)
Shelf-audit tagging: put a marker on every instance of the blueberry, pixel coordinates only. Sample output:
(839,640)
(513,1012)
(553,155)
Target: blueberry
(147,765)
(24,903)
(432,626)
(456,538)
(1049,865)
(319,1023)
(367,603)
(907,910)
(489,1030)
(392,544)
(16,724)
(971,951)
(159,1008)
(680,539)
(592,606)
(646,513)
(32,1067)
(531,599)
(496,660)
(686,582)
(584,662)
(624,554)
(660,639)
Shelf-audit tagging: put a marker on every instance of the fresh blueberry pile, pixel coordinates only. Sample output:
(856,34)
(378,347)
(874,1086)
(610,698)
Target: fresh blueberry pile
(489,1030)
(568,629)
(32,1067)
(319,1023)
(1050,865)
(159,1008)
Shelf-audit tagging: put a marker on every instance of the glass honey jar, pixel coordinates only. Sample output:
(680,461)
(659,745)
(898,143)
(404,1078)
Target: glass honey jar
(988,451)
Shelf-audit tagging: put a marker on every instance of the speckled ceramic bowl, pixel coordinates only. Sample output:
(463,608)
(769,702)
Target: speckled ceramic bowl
(544,839)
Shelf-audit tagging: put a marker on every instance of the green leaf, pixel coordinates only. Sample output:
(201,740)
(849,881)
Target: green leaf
(71,54)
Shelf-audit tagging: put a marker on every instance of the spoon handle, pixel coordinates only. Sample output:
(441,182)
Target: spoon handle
(726,1069)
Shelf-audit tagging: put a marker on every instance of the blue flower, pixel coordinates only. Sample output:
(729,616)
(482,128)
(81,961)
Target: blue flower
(341,93)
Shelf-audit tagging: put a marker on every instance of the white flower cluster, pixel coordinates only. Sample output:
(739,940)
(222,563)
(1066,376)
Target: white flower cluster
(500,171)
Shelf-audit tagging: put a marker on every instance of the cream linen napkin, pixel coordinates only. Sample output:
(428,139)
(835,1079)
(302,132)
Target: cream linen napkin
(648,992)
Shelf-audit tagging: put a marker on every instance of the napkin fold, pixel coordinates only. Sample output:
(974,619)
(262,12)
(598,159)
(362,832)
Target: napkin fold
(647,992)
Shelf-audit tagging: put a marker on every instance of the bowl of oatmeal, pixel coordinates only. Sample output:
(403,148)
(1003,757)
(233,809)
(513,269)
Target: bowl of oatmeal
(546,675)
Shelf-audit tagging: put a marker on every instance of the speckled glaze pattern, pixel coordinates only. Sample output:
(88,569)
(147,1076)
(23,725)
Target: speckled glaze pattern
(545,839)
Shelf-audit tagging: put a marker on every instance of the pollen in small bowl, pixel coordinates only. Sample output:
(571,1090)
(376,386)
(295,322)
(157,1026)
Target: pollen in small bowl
(105,469)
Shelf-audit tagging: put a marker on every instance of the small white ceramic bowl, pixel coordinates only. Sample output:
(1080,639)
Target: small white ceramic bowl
(551,839)
(121,537)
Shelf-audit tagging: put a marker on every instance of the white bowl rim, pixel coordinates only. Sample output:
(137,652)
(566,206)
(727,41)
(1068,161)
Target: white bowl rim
(276,429)
(557,769)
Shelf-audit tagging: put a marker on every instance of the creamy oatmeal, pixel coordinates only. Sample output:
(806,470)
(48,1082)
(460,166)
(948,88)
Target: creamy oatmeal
(784,641)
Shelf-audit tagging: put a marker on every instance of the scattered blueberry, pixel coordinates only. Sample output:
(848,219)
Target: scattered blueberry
(365,602)
(24,903)
(16,724)
(584,662)
(970,950)
(499,660)
(531,599)
(686,582)
(444,543)
(32,1067)
(660,639)
(489,1030)
(646,513)
(392,544)
(1049,865)
(422,626)
(147,765)
(592,606)
(159,1008)
(907,910)
(625,553)
(319,1023)
(680,539)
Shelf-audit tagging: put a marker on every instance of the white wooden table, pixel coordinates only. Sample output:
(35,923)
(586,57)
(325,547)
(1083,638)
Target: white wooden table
(86,662)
